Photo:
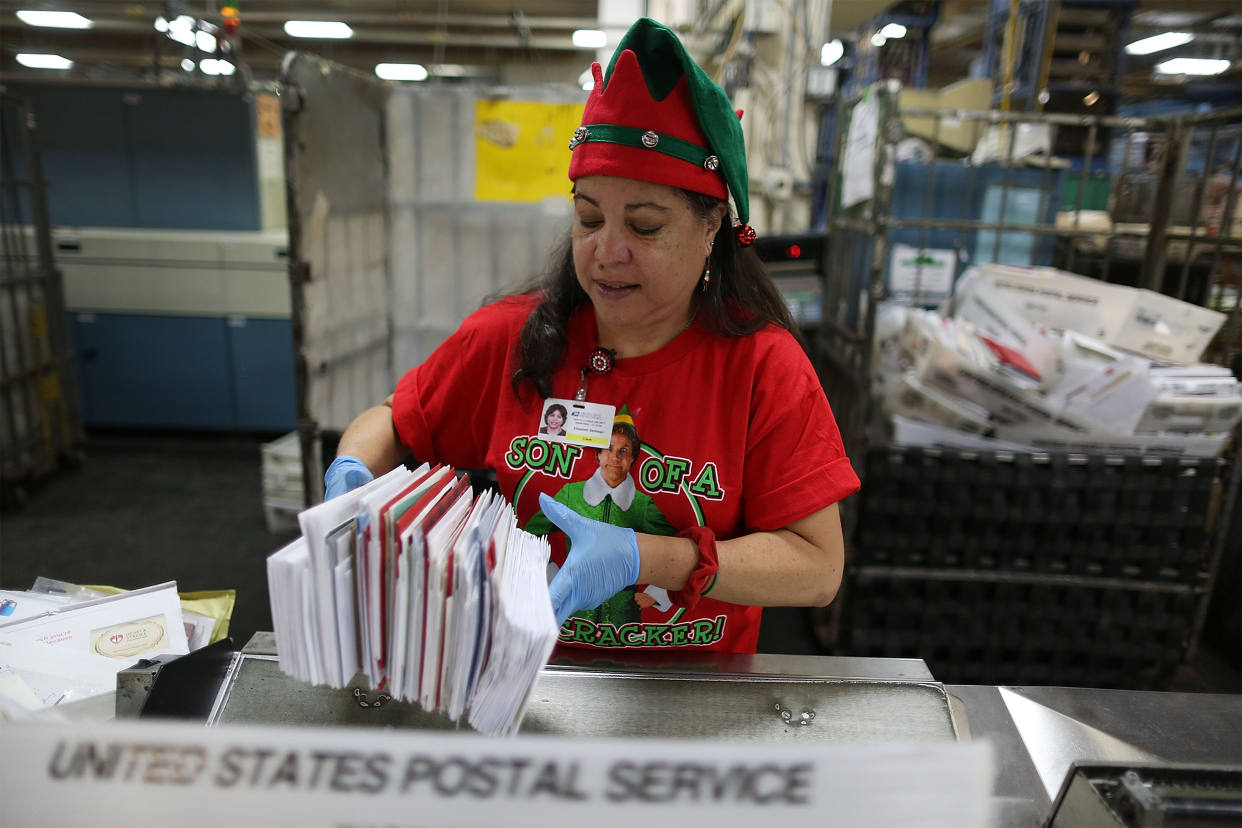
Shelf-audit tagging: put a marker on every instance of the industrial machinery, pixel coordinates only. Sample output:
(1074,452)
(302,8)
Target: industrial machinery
(1125,796)
(150,309)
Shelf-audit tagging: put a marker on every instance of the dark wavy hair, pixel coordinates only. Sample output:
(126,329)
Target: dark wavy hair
(740,299)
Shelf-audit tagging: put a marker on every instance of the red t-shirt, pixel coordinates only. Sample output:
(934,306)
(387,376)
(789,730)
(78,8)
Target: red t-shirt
(735,434)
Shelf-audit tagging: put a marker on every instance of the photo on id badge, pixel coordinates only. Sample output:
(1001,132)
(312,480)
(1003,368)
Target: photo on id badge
(552,424)
(611,496)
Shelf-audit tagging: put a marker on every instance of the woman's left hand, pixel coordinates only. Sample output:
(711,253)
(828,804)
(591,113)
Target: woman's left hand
(603,560)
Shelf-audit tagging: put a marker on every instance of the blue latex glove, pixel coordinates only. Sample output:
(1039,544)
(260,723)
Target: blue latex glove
(344,475)
(603,560)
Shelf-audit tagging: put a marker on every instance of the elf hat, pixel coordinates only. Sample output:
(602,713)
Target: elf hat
(623,416)
(656,116)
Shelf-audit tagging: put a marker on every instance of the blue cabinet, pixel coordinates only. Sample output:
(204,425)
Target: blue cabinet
(262,368)
(162,371)
(184,372)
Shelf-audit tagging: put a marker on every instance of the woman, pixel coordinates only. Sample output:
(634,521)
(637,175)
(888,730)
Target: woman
(658,316)
(554,420)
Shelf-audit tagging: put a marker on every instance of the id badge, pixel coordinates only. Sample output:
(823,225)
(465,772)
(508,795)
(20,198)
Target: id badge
(577,423)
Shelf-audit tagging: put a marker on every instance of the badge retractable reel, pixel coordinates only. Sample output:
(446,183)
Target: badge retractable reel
(584,423)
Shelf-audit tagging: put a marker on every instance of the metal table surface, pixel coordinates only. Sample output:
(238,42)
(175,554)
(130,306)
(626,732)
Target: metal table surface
(1039,731)
(581,693)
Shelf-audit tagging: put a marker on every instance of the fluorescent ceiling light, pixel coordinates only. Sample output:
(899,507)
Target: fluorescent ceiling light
(206,41)
(161,25)
(401,71)
(878,39)
(187,64)
(213,66)
(55,19)
(831,52)
(450,70)
(893,31)
(318,28)
(589,85)
(1192,66)
(590,39)
(44,61)
(1158,43)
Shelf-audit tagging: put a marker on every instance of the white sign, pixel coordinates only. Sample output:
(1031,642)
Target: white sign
(858,159)
(157,774)
(271,159)
(928,273)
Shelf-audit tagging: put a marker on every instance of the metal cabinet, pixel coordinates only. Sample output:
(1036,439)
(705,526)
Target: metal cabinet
(261,357)
(186,372)
(170,158)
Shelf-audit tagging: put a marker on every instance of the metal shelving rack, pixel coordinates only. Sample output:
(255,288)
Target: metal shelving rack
(1064,47)
(1176,249)
(869,64)
(40,421)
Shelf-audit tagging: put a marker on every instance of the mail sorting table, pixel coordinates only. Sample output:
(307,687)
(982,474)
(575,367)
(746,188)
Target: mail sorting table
(1039,733)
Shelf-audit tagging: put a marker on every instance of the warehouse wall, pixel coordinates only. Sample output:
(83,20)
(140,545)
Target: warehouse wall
(151,158)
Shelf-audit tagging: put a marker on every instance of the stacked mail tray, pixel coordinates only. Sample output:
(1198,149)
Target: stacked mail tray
(1081,570)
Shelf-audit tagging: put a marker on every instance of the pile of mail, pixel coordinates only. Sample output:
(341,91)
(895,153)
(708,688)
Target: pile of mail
(1039,359)
(62,648)
(434,594)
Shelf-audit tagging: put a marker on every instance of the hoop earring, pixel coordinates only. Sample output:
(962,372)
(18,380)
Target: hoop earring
(707,274)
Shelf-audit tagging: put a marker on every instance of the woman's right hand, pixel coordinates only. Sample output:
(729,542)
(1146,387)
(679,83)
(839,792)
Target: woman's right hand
(344,475)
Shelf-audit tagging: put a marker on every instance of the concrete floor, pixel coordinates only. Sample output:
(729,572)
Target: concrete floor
(148,508)
(144,509)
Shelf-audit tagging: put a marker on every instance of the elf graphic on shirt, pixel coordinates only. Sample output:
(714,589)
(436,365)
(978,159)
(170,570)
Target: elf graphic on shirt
(610,496)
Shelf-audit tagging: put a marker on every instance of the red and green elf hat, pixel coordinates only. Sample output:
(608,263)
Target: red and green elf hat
(657,117)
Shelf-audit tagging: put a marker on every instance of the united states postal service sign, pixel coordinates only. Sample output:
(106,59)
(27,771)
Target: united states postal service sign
(154,774)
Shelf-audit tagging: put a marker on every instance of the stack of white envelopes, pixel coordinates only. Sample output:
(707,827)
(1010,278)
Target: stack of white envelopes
(57,650)
(434,594)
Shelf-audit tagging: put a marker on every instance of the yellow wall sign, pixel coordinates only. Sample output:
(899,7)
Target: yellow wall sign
(522,149)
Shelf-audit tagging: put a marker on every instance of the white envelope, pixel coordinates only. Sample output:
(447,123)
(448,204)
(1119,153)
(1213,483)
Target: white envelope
(144,623)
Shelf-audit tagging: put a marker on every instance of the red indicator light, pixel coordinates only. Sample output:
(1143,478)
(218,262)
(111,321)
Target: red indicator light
(794,251)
